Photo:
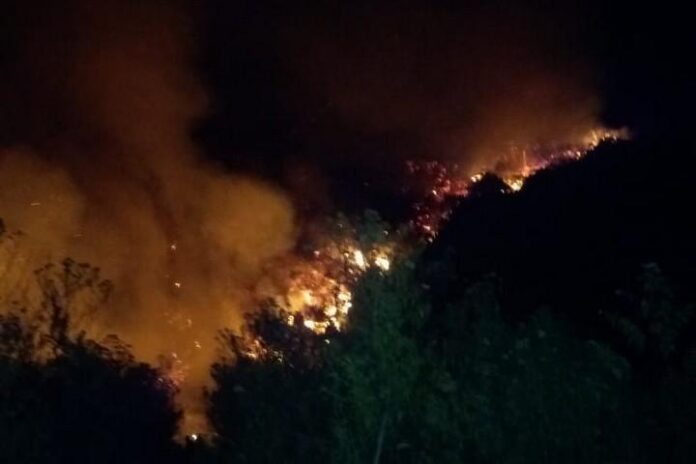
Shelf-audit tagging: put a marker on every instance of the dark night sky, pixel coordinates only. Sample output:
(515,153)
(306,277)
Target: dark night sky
(638,56)
(326,94)
(263,111)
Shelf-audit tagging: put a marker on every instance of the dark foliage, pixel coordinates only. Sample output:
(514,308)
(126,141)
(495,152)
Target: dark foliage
(551,325)
(268,403)
(574,234)
(65,398)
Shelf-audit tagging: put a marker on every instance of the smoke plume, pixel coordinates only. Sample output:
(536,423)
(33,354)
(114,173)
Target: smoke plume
(99,100)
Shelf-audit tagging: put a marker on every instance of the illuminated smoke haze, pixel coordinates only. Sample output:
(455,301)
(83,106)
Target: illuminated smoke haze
(106,173)
(457,83)
(97,161)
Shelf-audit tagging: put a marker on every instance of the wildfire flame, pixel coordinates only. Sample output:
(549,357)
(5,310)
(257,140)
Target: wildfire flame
(448,181)
(321,289)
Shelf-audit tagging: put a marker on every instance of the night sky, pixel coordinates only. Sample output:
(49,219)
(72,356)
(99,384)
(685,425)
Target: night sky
(267,66)
(333,93)
(635,56)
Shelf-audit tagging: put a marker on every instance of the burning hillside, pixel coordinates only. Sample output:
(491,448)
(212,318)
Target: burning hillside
(441,183)
(318,284)
(102,168)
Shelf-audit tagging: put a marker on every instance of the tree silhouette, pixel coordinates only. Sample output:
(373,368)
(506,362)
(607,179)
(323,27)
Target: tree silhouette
(267,403)
(533,393)
(65,398)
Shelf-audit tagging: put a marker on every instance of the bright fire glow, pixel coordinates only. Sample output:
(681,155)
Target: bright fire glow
(447,181)
(318,293)
(320,288)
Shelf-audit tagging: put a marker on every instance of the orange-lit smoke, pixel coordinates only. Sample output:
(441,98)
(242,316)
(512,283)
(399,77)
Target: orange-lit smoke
(97,162)
(460,83)
(106,172)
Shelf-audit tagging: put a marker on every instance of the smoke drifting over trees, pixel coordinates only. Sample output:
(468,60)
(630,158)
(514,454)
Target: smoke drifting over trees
(98,161)
(280,210)
(103,170)
(100,102)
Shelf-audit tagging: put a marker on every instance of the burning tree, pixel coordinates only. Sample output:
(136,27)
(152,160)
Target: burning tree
(318,286)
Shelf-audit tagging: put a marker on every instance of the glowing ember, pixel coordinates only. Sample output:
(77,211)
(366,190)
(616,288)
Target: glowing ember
(515,183)
(382,262)
(173,369)
(359,259)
